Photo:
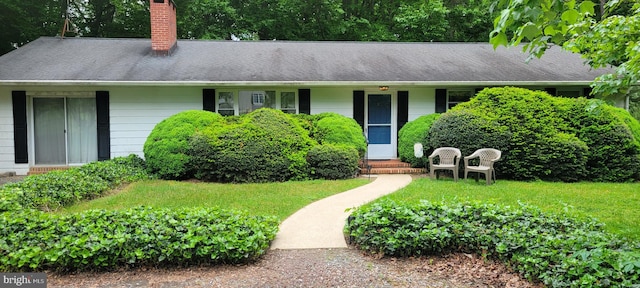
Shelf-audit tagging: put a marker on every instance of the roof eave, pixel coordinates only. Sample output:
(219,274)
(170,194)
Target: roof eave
(287,83)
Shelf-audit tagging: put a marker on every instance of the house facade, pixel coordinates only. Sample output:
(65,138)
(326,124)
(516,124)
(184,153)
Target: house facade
(66,102)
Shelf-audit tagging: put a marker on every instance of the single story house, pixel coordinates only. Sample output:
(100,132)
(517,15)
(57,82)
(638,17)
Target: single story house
(68,101)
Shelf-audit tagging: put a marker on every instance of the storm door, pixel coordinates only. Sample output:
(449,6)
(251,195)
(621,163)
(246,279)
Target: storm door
(380,126)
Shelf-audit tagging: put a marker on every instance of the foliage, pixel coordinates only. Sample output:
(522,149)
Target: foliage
(614,154)
(329,161)
(166,147)
(333,128)
(582,200)
(108,240)
(266,145)
(416,131)
(406,20)
(543,137)
(64,187)
(557,250)
(611,40)
(467,132)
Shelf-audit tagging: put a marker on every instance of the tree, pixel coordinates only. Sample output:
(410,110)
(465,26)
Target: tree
(609,37)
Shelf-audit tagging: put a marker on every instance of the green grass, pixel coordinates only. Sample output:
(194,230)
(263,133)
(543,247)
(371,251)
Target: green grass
(277,199)
(617,205)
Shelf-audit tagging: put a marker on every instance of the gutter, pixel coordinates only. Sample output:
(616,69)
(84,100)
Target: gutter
(287,83)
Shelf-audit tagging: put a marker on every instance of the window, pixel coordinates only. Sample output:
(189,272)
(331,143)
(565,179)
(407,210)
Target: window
(65,130)
(569,93)
(225,104)
(288,102)
(250,100)
(258,98)
(456,97)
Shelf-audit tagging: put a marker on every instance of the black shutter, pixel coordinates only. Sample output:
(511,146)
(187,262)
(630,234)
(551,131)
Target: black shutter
(21,152)
(358,107)
(104,134)
(403,108)
(551,91)
(587,92)
(441,100)
(209,100)
(304,101)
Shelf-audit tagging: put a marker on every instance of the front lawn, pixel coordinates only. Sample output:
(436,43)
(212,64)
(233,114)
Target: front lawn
(278,199)
(617,205)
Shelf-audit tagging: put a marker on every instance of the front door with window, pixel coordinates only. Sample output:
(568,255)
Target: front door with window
(380,126)
(65,130)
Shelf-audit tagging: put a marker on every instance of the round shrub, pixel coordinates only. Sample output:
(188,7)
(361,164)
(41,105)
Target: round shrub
(543,137)
(330,161)
(333,128)
(416,131)
(468,132)
(166,147)
(614,154)
(265,145)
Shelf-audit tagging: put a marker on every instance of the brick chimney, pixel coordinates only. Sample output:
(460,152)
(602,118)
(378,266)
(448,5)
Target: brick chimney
(164,33)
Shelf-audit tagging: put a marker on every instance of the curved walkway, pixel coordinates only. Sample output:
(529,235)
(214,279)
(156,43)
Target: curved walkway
(321,223)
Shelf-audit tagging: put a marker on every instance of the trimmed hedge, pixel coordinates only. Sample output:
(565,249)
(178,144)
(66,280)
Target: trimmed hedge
(265,145)
(108,240)
(333,128)
(544,137)
(416,131)
(166,147)
(554,249)
(333,161)
(55,189)
(614,153)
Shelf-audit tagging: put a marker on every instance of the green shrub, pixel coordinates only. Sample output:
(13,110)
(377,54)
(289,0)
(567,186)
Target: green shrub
(108,240)
(64,187)
(265,145)
(333,161)
(332,128)
(557,250)
(416,131)
(166,147)
(543,137)
(613,151)
(468,132)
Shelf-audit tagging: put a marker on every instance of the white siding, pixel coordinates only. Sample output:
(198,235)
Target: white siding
(422,101)
(338,100)
(134,112)
(7,158)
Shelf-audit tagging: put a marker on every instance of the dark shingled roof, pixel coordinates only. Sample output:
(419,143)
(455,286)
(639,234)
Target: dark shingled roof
(108,59)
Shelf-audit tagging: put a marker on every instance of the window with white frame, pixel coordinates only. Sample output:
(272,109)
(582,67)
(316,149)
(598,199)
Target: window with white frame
(226,102)
(240,102)
(456,97)
(288,102)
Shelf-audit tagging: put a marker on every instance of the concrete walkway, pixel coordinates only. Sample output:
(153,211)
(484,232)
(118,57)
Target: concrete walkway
(321,224)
